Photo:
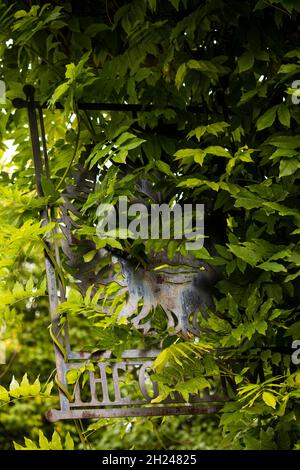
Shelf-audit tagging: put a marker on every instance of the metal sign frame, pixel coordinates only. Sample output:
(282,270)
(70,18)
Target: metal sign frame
(138,361)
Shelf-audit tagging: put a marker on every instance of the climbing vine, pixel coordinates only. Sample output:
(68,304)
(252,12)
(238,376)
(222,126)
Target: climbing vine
(236,151)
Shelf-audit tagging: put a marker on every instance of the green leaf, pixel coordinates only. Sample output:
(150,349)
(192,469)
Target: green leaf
(245,61)
(24,386)
(192,386)
(269,399)
(14,388)
(43,441)
(71,72)
(48,388)
(261,326)
(69,443)
(248,388)
(55,443)
(248,96)
(245,253)
(218,151)
(194,182)
(206,66)
(47,186)
(289,68)
(89,256)
(102,242)
(238,379)
(198,132)
(214,129)
(175,4)
(4,395)
(181,72)
(272,266)
(184,153)
(35,388)
(288,167)
(152,4)
(247,200)
(30,445)
(164,167)
(267,119)
(59,92)
(72,375)
(161,360)
(285,141)
(18,446)
(93,29)
(282,152)
(199,156)
(284,115)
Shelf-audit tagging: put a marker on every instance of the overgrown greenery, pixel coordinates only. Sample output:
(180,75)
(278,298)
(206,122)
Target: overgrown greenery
(239,153)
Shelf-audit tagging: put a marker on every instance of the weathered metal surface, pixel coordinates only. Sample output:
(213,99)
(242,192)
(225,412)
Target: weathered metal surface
(128,354)
(50,270)
(20,103)
(125,388)
(55,415)
(182,289)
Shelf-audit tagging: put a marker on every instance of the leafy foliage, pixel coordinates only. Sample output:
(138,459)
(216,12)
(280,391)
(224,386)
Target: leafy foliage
(238,153)
(45,444)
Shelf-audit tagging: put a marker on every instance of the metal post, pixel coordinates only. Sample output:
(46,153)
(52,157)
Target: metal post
(50,269)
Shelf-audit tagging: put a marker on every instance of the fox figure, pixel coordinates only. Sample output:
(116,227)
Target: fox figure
(182,291)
